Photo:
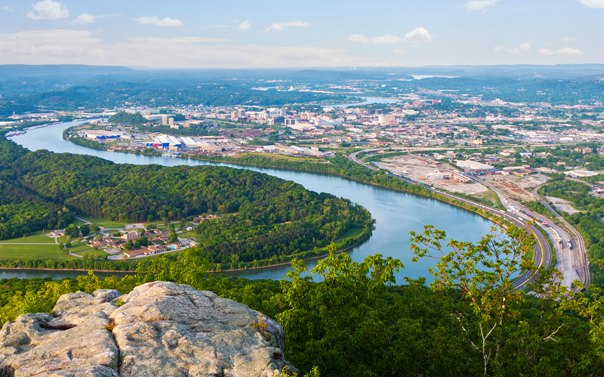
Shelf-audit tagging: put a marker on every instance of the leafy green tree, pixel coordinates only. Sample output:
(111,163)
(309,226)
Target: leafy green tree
(128,245)
(589,305)
(483,274)
(72,231)
(332,323)
(85,229)
(173,237)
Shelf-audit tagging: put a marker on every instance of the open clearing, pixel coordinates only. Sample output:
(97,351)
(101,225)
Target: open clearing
(36,238)
(426,170)
(40,246)
(519,188)
(562,205)
(50,251)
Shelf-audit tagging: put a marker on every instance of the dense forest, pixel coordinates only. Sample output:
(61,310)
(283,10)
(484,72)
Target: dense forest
(23,211)
(260,218)
(126,118)
(356,322)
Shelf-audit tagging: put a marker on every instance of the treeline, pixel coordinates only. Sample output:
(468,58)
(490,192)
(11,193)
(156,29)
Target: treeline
(201,129)
(357,322)
(341,166)
(123,117)
(73,137)
(261,218)
(559,157)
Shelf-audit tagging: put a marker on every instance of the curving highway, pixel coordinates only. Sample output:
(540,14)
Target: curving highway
(543,250)
(572,246)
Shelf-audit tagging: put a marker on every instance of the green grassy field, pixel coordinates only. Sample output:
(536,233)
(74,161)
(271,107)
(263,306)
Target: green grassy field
(79,247)
(32,252)
(93,253)
(107,223)
(188,234)
(40,237)
(491,196)
(43,247)
(40,246)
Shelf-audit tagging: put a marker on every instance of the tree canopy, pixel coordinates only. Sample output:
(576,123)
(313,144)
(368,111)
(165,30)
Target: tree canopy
(257,219)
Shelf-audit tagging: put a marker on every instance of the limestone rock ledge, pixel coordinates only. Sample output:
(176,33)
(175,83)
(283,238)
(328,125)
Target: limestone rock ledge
(158,329)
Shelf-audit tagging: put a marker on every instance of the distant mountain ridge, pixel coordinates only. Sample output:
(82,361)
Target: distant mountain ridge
(30,88)
(24,70)
(11,71)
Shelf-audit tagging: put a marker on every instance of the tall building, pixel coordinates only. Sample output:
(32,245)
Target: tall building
(164,120)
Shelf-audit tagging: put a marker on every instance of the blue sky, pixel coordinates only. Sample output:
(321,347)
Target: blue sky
(309,33)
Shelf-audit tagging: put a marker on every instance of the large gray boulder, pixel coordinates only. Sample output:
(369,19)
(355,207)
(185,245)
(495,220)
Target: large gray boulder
(158,329)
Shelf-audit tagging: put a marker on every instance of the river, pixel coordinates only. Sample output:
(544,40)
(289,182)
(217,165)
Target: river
(395,213)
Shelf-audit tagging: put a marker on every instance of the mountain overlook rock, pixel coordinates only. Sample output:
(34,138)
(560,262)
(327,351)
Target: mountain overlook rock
(158,329)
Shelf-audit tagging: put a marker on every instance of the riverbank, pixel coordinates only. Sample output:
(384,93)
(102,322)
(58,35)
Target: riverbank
(339,166)
(119,272)
(396,213)
(227,271)
(291,222)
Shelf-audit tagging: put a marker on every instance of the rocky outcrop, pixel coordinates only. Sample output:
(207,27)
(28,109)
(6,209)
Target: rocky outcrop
(158,329)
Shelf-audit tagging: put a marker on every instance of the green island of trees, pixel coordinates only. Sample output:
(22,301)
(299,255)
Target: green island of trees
(262,219)
(127,118)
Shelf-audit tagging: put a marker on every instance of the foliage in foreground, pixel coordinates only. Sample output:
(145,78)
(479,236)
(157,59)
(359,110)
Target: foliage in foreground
(358,322)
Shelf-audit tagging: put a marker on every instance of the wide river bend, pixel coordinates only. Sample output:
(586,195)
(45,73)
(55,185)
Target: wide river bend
(395,213)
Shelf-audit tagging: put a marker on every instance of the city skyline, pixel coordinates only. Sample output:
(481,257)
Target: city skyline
(269,34)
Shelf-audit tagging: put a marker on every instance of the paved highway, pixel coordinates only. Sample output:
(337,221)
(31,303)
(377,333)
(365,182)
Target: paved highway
(571,255)
(572,245)
(543,250)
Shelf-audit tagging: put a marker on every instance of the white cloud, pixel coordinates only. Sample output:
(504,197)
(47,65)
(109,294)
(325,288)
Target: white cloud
(245,25)
(418,35)
(6,8)
(280,26)
(50,46)
(48,10)
(399,51)
(522,48)
(84,47)
(358,38)
(162,22)
(593,3)
(565,51)
(85,18)
(386,39)
(479,5)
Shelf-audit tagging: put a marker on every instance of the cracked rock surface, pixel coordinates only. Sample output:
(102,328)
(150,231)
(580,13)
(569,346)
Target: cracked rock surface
(158,329)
